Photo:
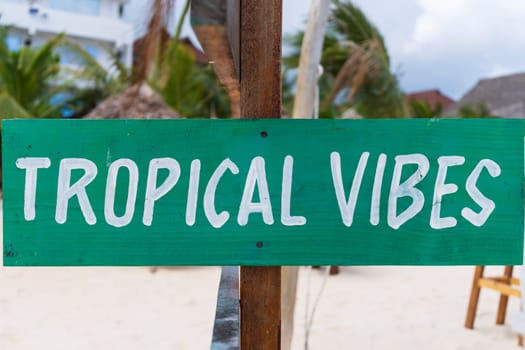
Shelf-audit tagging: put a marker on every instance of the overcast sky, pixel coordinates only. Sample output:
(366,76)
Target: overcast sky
(444,44)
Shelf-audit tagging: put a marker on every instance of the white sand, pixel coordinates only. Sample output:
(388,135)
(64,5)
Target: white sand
(401,308)
(107,308)
(362,308)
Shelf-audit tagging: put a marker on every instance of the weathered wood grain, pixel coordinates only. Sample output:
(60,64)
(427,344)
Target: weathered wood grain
(261,23)
(226,329)
(260,76)
(261,308)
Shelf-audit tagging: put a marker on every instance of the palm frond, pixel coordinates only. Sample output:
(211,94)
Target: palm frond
(10,108)
(350,22)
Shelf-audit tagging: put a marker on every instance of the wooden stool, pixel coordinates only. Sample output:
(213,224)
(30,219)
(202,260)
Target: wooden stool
(334,269)
(505,285)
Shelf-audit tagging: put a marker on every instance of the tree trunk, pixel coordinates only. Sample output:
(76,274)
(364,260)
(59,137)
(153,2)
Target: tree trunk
(311,51)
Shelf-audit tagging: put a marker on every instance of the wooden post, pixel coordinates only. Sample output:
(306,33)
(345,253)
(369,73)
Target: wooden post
(260,46)
(260,75)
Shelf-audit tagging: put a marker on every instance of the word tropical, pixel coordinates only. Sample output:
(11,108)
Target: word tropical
(257,180)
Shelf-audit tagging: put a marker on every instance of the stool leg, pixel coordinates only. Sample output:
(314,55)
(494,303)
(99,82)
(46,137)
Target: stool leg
(520,340)
(474,297)
(504,299)
(334,270)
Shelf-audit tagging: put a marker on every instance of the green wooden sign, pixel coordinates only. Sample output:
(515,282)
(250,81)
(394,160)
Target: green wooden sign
(263,192)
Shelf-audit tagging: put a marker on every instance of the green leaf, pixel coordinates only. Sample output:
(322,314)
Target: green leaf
(9,108)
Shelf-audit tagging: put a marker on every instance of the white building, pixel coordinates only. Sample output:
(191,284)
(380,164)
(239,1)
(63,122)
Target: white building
(97,25)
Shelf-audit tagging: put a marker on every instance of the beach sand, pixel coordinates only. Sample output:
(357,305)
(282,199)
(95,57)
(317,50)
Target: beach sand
(401,308)
(361,308)
(107,308)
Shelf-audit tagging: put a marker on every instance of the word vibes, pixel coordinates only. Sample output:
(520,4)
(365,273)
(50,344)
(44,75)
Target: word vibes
(256,180)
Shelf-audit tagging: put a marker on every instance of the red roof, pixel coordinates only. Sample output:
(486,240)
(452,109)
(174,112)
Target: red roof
(432,97)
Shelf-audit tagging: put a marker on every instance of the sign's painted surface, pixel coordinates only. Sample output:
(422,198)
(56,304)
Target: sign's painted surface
(263,192)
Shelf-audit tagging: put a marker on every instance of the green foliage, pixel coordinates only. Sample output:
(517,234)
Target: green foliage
(189,88)
(169,67)
(94,83)
(333,55)
(356,66)
(422,109)
(287,95)
(352,24)
(379,95)
(33,82)
(10,108)
(26,76)
(480,110)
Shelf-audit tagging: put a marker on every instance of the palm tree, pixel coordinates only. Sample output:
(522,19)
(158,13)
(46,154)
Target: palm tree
(96,81)
(189,88)
(357,67)
(26,78)
(34,83)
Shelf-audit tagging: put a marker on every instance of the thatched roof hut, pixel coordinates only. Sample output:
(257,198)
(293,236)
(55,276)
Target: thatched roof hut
(136,102)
